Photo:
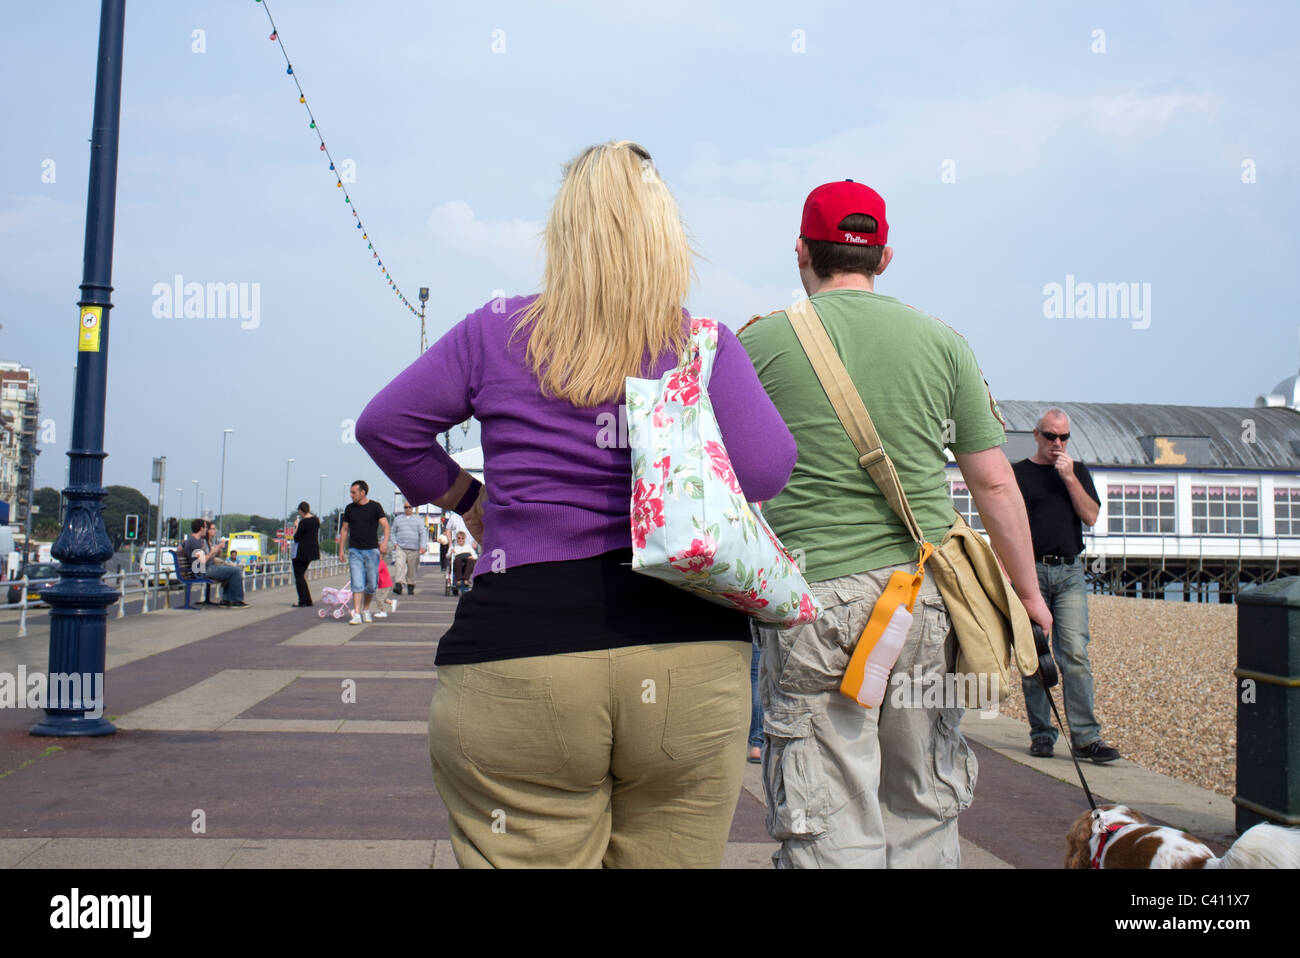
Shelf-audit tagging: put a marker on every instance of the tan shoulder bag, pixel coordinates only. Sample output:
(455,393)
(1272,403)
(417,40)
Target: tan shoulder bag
(993,628)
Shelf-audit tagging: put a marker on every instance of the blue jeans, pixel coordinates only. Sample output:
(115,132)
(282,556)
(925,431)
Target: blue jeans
(1067,599)
(231,579)
(363,565)
(756,714)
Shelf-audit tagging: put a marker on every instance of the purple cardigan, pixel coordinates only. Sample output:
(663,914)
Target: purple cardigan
(554,492)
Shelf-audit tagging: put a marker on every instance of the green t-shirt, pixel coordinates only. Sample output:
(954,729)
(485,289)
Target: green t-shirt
(923,388)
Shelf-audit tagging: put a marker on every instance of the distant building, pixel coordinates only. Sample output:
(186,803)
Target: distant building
(19,423)
(8,463)
(1195,500)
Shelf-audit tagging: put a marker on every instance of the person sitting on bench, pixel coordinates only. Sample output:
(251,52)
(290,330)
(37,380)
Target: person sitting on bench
(231,577)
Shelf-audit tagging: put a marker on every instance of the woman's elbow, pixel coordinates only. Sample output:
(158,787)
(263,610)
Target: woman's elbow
(776,473)
(366,430)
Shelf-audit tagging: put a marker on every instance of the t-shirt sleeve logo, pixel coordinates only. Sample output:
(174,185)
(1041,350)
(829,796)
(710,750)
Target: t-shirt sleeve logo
(993,405)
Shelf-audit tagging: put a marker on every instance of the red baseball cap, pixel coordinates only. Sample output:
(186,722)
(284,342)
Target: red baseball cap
(827,205)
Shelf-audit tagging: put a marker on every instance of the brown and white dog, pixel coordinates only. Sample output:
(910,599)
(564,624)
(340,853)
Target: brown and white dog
(1115,836)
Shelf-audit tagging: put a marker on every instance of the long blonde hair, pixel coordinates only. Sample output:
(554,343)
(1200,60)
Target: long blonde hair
(618,267)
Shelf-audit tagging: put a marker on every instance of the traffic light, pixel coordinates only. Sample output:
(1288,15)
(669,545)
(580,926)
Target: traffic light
(132,527)
(173,527)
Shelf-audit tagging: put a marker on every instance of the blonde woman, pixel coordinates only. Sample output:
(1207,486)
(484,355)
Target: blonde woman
(584,715)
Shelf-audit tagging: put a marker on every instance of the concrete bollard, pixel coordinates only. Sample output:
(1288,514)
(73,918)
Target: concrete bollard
(1268,704)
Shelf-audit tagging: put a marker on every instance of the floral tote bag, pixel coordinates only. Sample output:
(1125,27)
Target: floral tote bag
(691,525)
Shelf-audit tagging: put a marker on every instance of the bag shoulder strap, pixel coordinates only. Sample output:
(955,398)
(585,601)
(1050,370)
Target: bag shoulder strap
(852,412)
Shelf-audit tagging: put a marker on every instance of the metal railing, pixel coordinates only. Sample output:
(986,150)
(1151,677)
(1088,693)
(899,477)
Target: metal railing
(268,575)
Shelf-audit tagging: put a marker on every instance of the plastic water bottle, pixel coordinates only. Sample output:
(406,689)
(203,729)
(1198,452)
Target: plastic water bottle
(881,659)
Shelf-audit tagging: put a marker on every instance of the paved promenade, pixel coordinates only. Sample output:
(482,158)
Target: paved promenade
(235,720)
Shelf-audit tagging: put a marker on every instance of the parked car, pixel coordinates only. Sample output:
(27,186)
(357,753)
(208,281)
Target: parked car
(40,575)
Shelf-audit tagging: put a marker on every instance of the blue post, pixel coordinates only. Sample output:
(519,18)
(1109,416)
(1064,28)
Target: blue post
(79,601)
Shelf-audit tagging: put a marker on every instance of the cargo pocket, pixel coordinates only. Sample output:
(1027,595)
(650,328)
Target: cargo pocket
(815,656)
(707,706)
(509,724)
(797,793)
(955,766)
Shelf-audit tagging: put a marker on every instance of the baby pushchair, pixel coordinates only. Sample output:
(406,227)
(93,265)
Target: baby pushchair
(341,599)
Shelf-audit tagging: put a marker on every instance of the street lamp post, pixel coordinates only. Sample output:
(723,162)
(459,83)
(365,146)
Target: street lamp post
(284,515)
(221,497)
(199,513)
(424,298)
(79,600)
(180,511)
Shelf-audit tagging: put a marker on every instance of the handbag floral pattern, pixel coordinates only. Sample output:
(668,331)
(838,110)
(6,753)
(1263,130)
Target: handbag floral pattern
(691,525)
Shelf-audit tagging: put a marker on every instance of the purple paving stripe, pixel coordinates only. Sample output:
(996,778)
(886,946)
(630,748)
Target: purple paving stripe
(382,699)
(248,784)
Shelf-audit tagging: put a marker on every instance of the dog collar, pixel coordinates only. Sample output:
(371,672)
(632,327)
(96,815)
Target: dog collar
(1102,839)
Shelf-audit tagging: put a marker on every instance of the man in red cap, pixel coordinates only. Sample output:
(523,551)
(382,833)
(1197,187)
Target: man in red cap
(849,786)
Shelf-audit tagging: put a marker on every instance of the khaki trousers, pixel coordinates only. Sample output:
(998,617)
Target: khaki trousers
(405,564)
(623,758)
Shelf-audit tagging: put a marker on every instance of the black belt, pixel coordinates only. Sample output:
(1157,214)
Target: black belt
(1057,560)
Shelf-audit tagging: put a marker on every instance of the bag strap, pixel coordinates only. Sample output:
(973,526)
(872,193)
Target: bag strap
(851,411)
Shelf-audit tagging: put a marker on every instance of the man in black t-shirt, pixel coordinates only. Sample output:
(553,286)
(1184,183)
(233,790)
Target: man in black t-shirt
(1060,498)
(362,522)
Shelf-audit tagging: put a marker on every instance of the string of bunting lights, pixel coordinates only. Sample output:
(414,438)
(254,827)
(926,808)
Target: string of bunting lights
(338,178)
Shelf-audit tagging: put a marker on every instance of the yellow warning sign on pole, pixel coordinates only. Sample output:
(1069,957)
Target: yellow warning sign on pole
(92,317)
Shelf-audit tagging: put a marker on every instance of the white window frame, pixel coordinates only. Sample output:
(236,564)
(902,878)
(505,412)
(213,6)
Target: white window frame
(1242,501)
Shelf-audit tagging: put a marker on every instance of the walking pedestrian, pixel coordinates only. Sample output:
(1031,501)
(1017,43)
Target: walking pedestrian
(849,786)
(362,521)
(584,714)
(410,541)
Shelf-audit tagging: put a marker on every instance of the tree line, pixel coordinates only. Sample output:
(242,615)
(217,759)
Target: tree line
(122,501)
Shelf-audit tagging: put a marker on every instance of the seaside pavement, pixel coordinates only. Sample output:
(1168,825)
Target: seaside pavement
(235,749)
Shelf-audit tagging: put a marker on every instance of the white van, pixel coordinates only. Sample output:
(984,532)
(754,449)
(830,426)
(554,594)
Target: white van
(168,572)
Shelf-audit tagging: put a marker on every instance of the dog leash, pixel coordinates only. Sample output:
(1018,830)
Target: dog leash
(1049,676)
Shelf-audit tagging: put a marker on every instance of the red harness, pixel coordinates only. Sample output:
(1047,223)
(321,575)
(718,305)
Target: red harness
(1103,838)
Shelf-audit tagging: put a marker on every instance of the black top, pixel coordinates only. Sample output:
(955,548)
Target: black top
(363,524)
(307,535)
(1053,523)
(580,605)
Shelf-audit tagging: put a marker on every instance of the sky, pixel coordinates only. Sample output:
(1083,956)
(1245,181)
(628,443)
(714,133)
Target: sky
(1017,145)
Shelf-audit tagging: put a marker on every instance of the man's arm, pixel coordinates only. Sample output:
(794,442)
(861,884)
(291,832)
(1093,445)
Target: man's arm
(343,540)
(993,486)
(383,544)
(1085,507)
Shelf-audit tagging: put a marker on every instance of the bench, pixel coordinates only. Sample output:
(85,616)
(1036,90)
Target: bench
(187,577)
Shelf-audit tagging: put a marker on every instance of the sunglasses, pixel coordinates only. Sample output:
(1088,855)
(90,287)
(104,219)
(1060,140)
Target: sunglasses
(1053,436)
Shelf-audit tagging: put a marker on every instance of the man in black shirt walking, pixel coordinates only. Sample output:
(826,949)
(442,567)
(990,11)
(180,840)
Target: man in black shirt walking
(1060,499)
(362,521)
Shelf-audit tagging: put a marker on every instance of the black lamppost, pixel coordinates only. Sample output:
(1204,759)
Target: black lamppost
(79,600)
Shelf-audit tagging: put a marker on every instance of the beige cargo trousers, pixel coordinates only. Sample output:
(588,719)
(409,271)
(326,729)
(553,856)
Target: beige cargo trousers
(852,787)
